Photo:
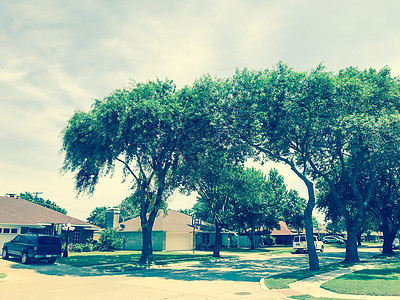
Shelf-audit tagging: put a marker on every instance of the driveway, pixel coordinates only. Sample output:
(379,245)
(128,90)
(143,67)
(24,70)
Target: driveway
(238,279)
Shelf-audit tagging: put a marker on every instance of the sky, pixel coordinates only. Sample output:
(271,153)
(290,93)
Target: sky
(57,57)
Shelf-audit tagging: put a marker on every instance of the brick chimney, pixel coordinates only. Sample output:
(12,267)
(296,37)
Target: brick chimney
(112,218)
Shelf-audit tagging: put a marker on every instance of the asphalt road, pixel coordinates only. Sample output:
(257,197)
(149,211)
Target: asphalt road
(238,279)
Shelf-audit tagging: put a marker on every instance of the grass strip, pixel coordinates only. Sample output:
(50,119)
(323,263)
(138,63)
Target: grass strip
(129,259)
(309,297)
(3,275)
(383,280)
(282,280)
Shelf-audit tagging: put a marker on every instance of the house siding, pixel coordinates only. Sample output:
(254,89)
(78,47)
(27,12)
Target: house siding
(133,240)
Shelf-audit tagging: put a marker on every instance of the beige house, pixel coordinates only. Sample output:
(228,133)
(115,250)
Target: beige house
(171,231)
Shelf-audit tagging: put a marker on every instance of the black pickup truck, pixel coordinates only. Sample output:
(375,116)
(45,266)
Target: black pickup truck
(33,246)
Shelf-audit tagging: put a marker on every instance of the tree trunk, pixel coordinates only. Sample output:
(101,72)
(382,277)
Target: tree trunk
(388,237)
(147,248)
(252,245)
(217,241)
(351,244)
(359,238)
(312,253)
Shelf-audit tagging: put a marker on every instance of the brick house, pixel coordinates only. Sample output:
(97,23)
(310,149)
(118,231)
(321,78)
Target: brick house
(21,216)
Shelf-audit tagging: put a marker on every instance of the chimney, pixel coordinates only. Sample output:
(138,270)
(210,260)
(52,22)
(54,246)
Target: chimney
(112,218)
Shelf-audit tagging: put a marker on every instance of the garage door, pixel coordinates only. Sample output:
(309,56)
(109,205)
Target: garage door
(179,241)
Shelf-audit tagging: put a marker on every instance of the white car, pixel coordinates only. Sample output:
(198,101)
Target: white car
(300,244)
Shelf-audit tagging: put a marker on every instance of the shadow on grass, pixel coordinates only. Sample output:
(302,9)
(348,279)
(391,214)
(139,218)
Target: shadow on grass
(247,270)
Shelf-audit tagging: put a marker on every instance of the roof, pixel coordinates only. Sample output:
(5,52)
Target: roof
(22,212)
(284,230)
(171,221)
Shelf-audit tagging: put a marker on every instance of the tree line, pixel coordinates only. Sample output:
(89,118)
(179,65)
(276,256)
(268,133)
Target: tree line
(338,132)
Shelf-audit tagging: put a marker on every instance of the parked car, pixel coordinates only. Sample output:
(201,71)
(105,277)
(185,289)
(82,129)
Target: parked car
(300,243)
(396,244)
(33,246)
(333,239)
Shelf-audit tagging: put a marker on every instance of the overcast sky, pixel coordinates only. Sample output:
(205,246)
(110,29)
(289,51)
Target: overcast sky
(56,57)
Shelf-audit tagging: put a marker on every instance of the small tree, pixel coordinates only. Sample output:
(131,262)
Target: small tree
(257,201)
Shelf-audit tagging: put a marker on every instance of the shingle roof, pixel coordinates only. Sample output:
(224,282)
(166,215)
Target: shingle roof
(172,221)
(22,212)
(284,230)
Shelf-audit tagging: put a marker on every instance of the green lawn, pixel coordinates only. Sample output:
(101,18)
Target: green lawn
(282,281)
(2,275)
(125,259)
(309,297)
(383,280)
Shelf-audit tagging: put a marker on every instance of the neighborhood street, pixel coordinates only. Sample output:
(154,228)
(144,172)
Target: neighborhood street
(235,279)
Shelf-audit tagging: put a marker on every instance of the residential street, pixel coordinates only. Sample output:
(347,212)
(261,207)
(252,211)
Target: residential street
(237,279)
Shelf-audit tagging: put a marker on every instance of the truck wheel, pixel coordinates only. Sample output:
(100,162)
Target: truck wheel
(25,258)
(4,253)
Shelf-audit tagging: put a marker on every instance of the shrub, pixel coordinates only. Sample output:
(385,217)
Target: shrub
(110,240)
(88,247)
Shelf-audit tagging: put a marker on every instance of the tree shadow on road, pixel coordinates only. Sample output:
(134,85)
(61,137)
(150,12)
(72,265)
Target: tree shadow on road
(244,270)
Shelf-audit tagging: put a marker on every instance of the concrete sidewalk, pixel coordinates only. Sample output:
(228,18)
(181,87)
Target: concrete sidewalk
(312,286)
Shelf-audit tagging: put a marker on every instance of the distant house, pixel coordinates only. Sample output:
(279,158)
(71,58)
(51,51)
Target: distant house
(21,216)
(171,232)
(284,235)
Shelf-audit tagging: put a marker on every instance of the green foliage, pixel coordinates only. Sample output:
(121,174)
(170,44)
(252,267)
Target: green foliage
(46,203)
(109,240)
(258,200)
(98,216)
(87,247)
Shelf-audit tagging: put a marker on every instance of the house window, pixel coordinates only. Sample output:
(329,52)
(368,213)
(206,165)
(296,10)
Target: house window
(6,230)
(77,236)
(48,230)
(205,238)
(14,230)
(24,230)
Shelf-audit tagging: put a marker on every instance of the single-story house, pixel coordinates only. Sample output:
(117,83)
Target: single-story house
(20,216)
(284,235)
(172,231)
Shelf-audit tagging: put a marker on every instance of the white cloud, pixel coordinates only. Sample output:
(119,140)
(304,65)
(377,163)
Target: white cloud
(56,57)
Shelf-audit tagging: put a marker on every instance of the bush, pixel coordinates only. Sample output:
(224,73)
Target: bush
(109,240)
(88,247)
(269,240)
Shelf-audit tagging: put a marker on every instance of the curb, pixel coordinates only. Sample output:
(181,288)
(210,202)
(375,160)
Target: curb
(265,288)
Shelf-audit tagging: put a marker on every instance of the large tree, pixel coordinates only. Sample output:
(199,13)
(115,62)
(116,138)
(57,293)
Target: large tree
(141,128)
(276,112)
(323,126)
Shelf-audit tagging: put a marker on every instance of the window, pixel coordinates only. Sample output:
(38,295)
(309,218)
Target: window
(24,230)
(205,238)
(14,230)
(6,230)
(1,229)
(48,230)
(77,236)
